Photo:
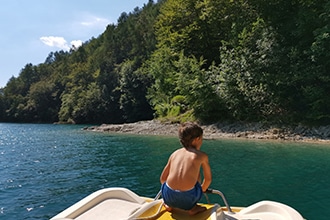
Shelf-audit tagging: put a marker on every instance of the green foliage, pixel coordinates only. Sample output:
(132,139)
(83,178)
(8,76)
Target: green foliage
(244,77)
(133,88)
(181,60)
(43,99)
(2,106)
(89,84)
(180,103)
(81,105)
(264,71)
(194,84)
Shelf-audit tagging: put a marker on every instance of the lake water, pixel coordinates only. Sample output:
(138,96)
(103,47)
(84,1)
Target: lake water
(46,168)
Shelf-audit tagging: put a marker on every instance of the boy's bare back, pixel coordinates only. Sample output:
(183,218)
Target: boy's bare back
(182,170)
(184,167)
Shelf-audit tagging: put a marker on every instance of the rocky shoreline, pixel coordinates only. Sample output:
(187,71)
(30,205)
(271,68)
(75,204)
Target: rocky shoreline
(224,130)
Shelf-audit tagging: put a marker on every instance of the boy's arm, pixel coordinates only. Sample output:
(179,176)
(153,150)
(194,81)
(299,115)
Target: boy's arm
(207,173)
(166,171)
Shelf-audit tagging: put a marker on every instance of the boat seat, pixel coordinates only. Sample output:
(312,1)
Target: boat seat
(121,209)
(114,203)
(110,209)
(268,210)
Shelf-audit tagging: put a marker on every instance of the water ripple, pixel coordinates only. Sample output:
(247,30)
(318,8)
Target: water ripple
(46,168)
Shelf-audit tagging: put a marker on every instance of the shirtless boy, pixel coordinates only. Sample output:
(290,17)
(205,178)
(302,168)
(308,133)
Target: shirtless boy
(180,179)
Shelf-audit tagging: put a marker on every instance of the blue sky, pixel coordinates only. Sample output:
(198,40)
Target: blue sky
(31,29)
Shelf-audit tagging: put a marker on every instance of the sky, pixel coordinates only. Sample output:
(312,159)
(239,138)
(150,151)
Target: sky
(30,30)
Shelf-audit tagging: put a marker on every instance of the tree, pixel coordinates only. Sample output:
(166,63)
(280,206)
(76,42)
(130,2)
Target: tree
(2,106)
(43,101)
(133,88)
(207,60)
(194,83)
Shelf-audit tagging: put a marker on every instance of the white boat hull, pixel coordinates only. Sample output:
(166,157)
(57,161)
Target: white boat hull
(123,204)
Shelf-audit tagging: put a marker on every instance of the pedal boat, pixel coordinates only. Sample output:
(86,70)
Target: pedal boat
(123,204)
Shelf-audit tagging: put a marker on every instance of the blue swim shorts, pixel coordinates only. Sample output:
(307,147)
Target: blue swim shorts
(181,199)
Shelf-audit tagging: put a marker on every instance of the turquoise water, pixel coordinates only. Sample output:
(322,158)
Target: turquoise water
(46,168)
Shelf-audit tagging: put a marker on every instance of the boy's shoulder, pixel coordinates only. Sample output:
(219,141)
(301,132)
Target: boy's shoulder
(179,151)
(183,150)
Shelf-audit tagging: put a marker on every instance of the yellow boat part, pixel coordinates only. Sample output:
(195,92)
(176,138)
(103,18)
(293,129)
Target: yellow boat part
(157,212)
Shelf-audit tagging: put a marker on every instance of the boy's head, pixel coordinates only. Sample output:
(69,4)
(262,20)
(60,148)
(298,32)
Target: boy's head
(188,131)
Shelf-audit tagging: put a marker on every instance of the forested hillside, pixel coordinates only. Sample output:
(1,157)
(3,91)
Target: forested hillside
(206,60)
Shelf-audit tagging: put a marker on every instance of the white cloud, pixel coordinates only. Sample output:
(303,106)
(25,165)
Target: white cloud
(60,42)
(95,22)
(76,43)
(85,27)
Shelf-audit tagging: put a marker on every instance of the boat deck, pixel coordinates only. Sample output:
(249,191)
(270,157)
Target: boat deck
(123,204)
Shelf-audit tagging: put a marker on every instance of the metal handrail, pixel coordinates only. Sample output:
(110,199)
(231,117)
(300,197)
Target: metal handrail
(214,191)
(158,195)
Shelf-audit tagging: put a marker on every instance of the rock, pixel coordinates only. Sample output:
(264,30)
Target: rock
(222,130)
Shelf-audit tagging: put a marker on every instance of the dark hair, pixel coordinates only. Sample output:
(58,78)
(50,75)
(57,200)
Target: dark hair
(188,131)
